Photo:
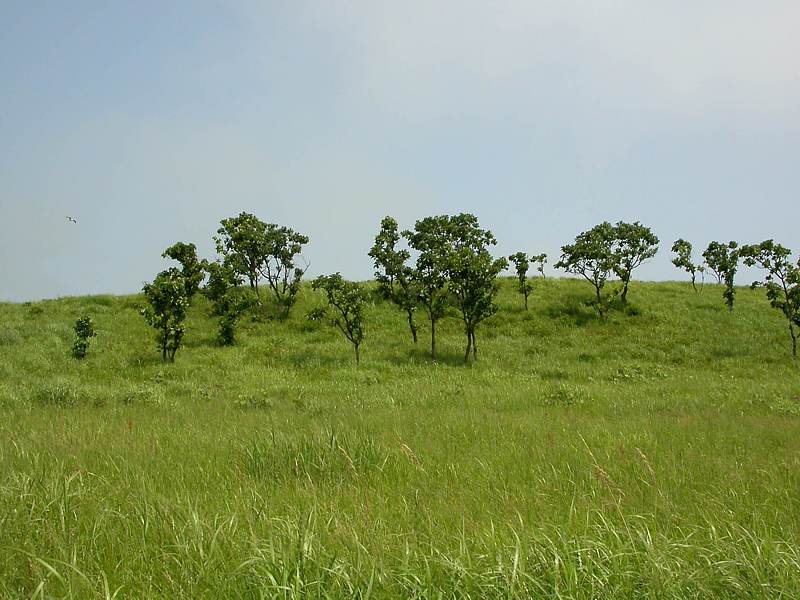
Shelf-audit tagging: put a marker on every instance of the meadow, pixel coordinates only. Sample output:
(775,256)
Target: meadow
(652,455)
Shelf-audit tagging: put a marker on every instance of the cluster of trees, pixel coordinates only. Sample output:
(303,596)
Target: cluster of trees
(781,278)
(442,267)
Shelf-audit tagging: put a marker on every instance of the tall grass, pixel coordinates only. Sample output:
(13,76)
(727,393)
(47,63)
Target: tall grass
(655,455)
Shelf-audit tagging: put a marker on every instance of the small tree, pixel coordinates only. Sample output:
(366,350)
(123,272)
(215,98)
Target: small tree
(84,331)
(242,241)
(430,239)
(592,257)
(521,266)
(634,243)
(782,281)
(282,274)
(394,276)
(346,300)
(228,301)
(192,269)
(166,312)
(540,260)
(723,260)
(472,273)
(683,260)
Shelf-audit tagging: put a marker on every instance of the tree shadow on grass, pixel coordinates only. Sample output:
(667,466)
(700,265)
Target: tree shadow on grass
(575,308)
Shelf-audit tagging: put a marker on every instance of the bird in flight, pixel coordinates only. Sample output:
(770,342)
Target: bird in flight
(71,220)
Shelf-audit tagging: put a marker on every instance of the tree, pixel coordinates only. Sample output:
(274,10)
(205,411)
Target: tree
(521,265)
(242,241)
(540,260)
(683,259)
(257,250)
(723,260)
(782,281)
(634,243)
(283,275)
(394,276)
(472,273)
(592,257)
(228,300)
(192,269)
(84,331)
(166,312)
(430,240)
(347,300)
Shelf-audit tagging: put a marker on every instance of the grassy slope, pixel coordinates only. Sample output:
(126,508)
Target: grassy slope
(656,455)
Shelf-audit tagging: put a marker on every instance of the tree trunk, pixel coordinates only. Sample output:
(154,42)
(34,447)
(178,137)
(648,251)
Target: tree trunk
(794,341)
(624,296)
(469,347)
(358,355)
(412,326)
(164,345)
(526,299)
(694,287)
(474,348)
(433,339)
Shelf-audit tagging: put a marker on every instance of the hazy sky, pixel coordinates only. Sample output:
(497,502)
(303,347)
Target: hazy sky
(151,121)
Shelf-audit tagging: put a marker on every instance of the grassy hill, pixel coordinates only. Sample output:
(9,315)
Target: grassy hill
(656,455)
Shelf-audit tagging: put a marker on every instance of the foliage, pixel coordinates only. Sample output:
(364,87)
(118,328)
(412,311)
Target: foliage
(84,331)
(683,260)
(393,275)
(472,273)
(346,300)
(228,300)
(592,256)
(257,250)
(430,239)
(521,265)
(782,280)
(723,260)
(633,244)
(192,269)
(282,274)
(166,311)
(242,241)
(540,260)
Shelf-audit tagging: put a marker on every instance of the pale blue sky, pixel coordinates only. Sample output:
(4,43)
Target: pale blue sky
(151,121)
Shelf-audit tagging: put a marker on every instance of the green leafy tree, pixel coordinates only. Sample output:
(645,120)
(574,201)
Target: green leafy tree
(723,260)
(430,239)
(592,256)
(345,310)
(192,268)
(521,265)
(540,260)
(258,250)
(472,273)
(84,331)
(228,300)
(283,275)
(395,278)
(166,313)
(782,281)
(242,241)
(683,260)
(634,243)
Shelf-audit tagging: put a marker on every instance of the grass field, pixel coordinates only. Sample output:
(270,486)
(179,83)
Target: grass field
(656,455)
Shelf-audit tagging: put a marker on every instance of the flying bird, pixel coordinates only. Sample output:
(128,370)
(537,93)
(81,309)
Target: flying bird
(71,220)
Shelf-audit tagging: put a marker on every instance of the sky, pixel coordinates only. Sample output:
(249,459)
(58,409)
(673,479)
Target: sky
(150,121)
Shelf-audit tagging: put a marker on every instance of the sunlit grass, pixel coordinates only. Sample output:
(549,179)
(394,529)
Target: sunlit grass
(655,455)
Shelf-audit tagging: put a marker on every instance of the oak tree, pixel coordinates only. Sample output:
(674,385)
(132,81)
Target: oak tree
(521,264)
(633,244)
(683,260)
